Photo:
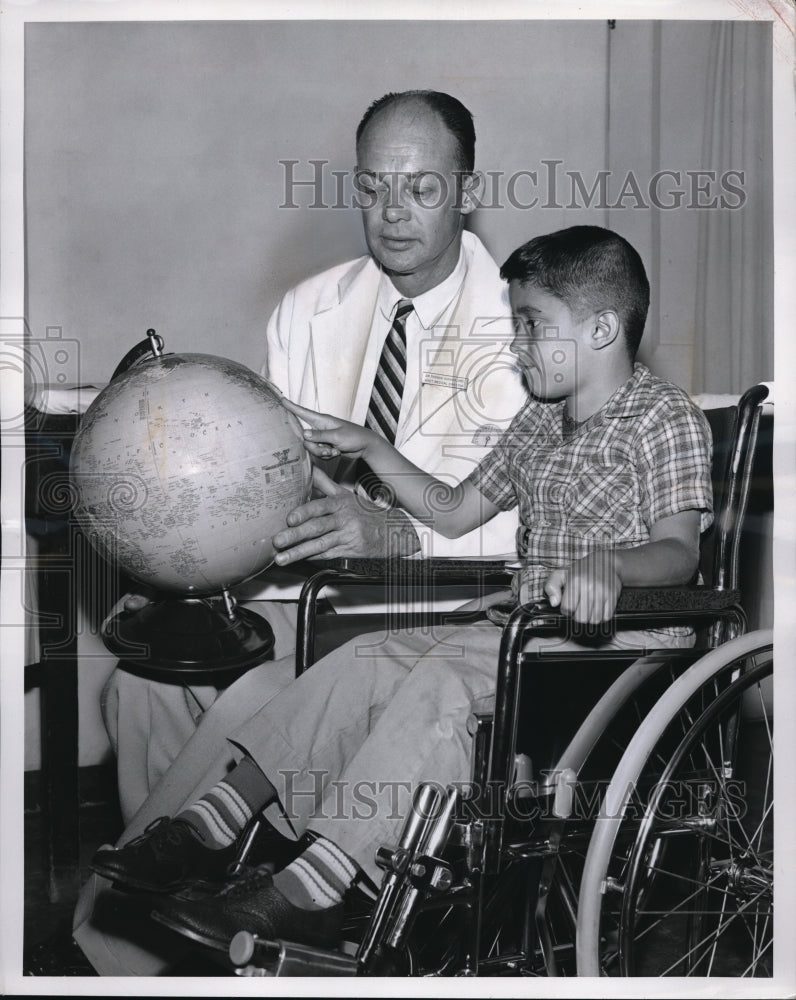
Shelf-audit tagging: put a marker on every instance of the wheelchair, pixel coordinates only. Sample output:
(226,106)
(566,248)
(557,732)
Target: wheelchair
(634,839)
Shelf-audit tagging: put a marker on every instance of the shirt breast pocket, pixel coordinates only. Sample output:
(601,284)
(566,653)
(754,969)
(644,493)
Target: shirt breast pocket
(604,501)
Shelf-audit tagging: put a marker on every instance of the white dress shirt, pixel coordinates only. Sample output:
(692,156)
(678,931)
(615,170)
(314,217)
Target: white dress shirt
(431,312)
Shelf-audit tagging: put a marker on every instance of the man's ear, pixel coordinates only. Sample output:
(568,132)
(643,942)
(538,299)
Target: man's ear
(605,329)
(470,191)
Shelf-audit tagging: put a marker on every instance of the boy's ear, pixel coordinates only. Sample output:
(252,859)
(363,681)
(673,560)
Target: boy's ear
(470,192)
(606,328)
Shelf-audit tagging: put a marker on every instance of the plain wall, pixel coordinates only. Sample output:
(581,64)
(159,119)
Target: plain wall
(155,187)
(154,182)
(153,175)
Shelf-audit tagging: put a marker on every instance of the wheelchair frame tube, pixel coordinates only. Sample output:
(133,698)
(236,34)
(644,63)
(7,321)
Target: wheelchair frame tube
(501,761)
(434,839)
(425,807)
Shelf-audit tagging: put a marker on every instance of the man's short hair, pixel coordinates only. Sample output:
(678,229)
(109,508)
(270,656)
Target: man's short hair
(589,268)
(453,114)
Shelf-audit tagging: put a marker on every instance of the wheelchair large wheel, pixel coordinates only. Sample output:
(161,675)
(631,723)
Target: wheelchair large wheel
(678,877)
(593,753)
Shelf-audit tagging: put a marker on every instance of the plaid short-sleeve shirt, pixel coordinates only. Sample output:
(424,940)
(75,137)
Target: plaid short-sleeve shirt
(643,456)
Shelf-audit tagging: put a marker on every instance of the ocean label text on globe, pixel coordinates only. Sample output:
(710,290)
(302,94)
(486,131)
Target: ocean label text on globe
(184,468)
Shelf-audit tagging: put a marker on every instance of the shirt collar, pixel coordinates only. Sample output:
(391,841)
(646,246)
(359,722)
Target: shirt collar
(429,306)
(626,401)
(631,399)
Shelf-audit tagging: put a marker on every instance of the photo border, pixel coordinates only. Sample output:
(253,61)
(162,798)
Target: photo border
(12,304)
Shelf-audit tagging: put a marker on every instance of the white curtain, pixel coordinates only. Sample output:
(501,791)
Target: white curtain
(735,266)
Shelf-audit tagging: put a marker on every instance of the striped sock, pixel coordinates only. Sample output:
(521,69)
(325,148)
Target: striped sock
(318,878)
(221,815)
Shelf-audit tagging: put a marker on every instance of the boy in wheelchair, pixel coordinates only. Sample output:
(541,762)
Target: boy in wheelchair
(610,469)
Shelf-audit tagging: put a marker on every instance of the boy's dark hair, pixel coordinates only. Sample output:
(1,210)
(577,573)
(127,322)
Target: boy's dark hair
(453,114)
(589,268)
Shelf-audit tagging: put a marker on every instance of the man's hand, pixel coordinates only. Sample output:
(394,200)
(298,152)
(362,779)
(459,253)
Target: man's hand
(340,524)
(586,590)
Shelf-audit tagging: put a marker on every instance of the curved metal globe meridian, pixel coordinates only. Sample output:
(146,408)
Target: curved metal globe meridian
(184,468)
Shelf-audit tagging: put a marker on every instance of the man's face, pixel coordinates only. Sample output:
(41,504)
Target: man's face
(412,202)
(547,341)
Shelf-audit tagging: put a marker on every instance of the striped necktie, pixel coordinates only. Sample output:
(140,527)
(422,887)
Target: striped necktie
(385,400)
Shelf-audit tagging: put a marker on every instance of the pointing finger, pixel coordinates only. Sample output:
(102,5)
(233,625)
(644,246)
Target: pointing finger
(312,417)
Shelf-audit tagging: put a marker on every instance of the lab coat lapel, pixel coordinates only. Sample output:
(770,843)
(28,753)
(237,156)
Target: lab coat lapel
(338,339)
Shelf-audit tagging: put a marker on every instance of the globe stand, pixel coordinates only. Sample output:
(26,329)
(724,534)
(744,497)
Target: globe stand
(190,635)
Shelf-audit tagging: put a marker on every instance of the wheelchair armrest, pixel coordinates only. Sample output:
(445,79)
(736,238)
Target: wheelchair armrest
(406,569)
(641,607)
(418,573)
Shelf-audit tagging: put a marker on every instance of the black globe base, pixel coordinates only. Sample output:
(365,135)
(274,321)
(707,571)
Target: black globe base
(189,635)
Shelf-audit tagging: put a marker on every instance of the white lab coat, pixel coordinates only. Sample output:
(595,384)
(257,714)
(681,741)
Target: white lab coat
(320,354)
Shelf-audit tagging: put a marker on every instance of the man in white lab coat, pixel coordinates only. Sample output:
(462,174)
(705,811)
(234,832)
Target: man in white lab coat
(415,186)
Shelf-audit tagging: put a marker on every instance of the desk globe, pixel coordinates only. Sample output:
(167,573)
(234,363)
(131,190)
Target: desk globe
(184,468)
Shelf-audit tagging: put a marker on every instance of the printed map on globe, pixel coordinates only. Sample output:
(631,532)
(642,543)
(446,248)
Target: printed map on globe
(184,469)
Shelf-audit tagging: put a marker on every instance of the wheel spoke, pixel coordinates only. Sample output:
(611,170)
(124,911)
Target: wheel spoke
(701,887)
(757,833)
(715,942)
(768,946)
(738,915)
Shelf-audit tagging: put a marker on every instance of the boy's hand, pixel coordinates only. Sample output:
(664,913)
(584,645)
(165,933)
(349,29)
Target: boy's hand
(586,590)
(330,436)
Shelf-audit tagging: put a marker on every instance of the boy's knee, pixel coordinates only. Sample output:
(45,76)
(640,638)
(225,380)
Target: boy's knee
(448,683)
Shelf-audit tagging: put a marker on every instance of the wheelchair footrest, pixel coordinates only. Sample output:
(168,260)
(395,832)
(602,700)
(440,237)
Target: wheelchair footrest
(254,956)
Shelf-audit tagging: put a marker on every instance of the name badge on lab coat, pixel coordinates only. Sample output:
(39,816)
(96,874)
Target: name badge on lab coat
(446,381)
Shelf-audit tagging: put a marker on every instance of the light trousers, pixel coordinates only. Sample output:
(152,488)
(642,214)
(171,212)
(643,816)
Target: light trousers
(345,745)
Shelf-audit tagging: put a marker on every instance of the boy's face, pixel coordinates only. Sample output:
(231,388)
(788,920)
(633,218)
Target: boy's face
(548,341)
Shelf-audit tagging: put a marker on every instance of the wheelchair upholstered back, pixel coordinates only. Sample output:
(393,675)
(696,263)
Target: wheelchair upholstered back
(741,470)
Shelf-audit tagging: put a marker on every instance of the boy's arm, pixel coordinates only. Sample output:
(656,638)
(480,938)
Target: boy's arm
(450,510)
(669,558)
(588,589)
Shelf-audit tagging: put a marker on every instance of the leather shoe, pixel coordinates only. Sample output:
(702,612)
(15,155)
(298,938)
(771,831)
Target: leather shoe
(167,856)
(250,903)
